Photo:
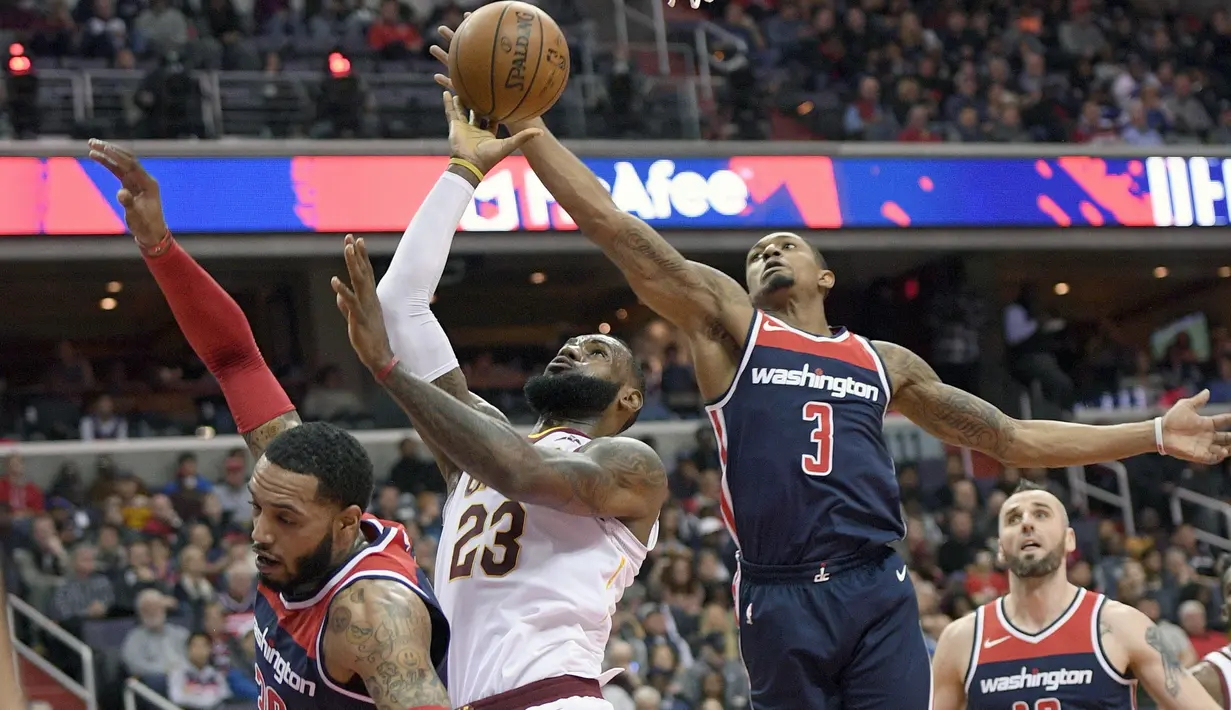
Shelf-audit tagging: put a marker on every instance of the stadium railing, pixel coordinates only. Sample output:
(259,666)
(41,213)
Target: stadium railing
(1121,498)
(135,688)
(1220,509)
(86,688)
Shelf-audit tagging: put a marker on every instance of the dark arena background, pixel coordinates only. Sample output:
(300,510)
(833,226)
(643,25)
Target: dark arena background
(1032,195)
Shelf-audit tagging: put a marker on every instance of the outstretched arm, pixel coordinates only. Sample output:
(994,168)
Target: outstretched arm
(381,632)
(962,419)
(1153,661)
(405,292)
(614,477)
(699,299)
(210,319)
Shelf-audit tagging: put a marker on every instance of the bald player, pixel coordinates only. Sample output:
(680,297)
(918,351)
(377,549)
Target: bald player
(1214,671)
(1050,645)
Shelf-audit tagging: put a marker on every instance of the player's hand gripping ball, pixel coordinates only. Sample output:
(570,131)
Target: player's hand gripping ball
(509,62)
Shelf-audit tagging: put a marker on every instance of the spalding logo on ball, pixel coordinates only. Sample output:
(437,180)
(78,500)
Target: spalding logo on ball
(509,62)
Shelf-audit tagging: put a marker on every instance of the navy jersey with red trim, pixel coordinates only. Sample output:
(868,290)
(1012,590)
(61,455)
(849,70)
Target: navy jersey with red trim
(1061,667)
(807,474)
(289,668)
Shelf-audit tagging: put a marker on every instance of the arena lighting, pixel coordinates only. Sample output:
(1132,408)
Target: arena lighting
(108,304)
(538,277)
(805,108)
(19,63)
(114,287)
(1224,272)
(1061,289)
(1160,272)
(339,65)
(622,314)
(604,328)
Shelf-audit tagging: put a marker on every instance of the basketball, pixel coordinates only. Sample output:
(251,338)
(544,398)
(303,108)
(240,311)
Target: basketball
(509,62)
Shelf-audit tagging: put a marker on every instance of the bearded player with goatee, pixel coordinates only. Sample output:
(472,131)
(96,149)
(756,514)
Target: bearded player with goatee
(1050,645)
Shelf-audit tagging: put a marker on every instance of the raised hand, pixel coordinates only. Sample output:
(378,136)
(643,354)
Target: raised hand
(358,302)
(1192,436)
(442,54)
(477,145)
(138,193)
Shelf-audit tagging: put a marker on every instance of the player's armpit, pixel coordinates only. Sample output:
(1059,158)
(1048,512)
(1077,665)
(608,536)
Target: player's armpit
(610,477)
(950,664)
(381,631)
(1154,660)
(454,382)
(259,438)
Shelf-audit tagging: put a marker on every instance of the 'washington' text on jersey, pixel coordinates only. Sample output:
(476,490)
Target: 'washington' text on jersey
(807,475)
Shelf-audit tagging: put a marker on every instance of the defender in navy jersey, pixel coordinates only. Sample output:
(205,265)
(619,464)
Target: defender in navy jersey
(827,613)
(1050,645)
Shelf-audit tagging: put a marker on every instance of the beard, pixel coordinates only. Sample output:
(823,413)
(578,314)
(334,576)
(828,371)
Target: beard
(1036,567)
(309,570)
(569,396)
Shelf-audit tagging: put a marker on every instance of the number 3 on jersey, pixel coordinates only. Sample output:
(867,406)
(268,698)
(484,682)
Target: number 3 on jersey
(1040,704)
(820,463)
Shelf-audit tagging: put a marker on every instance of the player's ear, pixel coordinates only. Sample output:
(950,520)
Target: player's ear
(1000,558)
(632,399)
(348,518)
(825,280)
(1070,541)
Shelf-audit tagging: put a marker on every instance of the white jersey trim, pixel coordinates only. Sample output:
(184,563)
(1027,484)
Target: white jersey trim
(751,343)
(320,635)
(340,575)
(1222,665)
(1045,633)
(881,371)
(974,652)
(1096,642)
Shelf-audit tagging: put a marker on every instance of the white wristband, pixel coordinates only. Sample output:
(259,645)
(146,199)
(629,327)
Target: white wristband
(1158,436)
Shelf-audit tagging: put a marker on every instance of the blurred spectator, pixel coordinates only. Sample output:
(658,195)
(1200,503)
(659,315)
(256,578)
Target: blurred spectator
(198,684)
(164,28)
(391,36)
(23,497)
(155,647)
(84,594)
(1193,620)
(103,422)
(414,472)
(232,490)
(329,399)
(1027,333)
(43,564)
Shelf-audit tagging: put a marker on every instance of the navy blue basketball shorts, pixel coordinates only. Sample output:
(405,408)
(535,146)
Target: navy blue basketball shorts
(843,635)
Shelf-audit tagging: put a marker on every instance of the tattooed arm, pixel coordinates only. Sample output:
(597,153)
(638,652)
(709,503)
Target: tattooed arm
(962,419)
(614,476)
(1154,660)
(454,383)
(381,631)
(699,299)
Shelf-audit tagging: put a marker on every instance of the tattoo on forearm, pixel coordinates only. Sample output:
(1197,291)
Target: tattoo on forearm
(946,412)
(454,382)
(1172,668)
(259,438)
(610,466)
(388,637)
(643,253)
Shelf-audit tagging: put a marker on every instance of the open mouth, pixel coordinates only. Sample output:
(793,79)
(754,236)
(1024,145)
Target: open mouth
(1031,545)
(772,266)
(560,364)
(266,564)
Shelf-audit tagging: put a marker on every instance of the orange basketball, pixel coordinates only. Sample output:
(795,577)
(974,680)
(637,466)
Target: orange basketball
(509,62)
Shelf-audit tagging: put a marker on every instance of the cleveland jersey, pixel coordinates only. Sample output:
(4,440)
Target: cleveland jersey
(533,588)
(807,475)
(1062,667)
(1221,661)
(289,666)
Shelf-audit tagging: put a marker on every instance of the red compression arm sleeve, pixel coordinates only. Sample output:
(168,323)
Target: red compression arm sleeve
(220,335)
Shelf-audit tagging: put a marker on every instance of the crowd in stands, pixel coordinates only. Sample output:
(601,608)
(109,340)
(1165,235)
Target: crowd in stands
(1080,71)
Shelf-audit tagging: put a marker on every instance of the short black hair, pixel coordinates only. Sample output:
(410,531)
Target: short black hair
(1024,485)
(196,635)
(330,454)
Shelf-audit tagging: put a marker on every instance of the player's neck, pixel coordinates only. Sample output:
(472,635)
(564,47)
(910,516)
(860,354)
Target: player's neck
(584,425)
(1034,604)
(806,314)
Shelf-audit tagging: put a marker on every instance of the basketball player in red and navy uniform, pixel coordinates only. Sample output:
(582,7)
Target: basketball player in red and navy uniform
(1214,671)
(344,617)
(809,490)
(1048,644)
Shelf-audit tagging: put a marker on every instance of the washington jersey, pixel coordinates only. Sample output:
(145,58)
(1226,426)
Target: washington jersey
(807,475)
(1062,667)
(290,668)
(1221,662)
(533,588)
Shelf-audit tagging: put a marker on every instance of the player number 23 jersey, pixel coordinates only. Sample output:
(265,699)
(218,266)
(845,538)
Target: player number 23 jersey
(532,589)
